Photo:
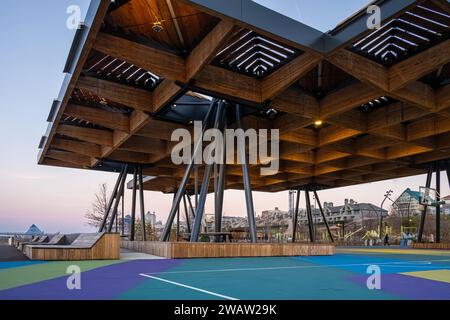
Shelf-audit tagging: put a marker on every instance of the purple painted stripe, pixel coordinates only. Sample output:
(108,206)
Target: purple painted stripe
(407,287)
(102,283)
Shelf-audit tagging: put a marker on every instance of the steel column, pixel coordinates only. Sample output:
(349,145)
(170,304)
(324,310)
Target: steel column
(309,214)
(116,203)
(246,180)
(133,206)
(111,200)
(178,221)
(190,206)
(123,214)
(447,169)
(196,186)
(186,213)
(438,199)
(221,184)
(323,215)
(205,185)
(295,216)
(141,198)
(424,212)
(198,148)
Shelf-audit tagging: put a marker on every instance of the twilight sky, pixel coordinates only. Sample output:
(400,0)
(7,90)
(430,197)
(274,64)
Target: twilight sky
(35,44)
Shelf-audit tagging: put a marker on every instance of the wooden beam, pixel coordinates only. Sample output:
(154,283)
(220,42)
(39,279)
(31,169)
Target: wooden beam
(353,119)
(377,76)
(138,99)
(417,93)
(443,98)
(206,50)
(302,136)
(418,65)
(404,150)
(426,127)
(58,163)
(276,82)
(346,99)
(129,156)
(74,158)
(365,70)
(100,137)
(161,63)
(226,83)
(297,102)
(332,134)
(80,147)
(393,114)
(144,145)
(162,95)
(108,119)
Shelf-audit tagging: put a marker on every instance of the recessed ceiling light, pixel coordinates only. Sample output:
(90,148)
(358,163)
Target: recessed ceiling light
(157,26)
(318,123)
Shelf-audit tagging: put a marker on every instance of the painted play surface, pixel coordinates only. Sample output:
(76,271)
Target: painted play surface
(405,274)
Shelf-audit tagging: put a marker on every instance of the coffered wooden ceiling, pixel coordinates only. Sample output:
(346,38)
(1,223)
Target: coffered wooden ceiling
(383,95)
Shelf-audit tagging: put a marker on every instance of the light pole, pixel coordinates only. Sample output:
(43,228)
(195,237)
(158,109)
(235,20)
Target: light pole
(387,195)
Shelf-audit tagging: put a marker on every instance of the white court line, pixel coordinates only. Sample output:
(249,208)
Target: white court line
(189,287)
(386,264)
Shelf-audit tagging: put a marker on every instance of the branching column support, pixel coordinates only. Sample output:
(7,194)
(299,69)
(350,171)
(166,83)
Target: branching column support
(205,184)
(176,203)
(246,180)
(323,216)
(111,200)
(117,198)
(424,210)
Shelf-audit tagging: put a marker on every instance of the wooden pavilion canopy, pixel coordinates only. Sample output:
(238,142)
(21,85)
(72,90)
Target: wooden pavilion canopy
(383,95)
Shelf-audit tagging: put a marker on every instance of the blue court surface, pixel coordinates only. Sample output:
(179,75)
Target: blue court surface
(405,274)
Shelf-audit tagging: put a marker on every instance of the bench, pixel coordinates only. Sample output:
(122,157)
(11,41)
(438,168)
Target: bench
(87,246)
(38,240)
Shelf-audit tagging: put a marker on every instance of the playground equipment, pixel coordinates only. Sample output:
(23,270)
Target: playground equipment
(430,197)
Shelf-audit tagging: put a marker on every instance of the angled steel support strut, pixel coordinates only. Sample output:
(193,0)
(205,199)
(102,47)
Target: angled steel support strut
(117,198)
(111,200)
(246,180)
(205,185)
(141,199)
(198,148)
(424,210)
(295,216)
(437,167)
(133,206)
(323,216)
(310,218)
(221,183)
(186,214)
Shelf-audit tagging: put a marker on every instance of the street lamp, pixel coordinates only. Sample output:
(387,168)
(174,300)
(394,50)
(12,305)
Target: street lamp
(387,195)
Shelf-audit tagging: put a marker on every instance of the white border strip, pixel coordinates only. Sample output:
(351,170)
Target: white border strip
(189,287)
(392,264)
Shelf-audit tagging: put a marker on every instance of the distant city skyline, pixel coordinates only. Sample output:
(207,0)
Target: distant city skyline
(35,45)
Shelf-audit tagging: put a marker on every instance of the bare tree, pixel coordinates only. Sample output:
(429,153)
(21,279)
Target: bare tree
(99,206)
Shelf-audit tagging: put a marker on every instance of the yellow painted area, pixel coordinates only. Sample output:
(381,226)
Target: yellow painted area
(396,251)
(436,275)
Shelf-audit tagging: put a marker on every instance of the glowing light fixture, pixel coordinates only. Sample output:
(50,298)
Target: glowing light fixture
(318,123)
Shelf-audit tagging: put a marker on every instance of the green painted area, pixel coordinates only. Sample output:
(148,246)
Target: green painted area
(298,279)
(15,277)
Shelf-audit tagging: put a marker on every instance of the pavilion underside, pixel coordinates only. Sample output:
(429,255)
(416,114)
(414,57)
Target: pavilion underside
(136,69)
